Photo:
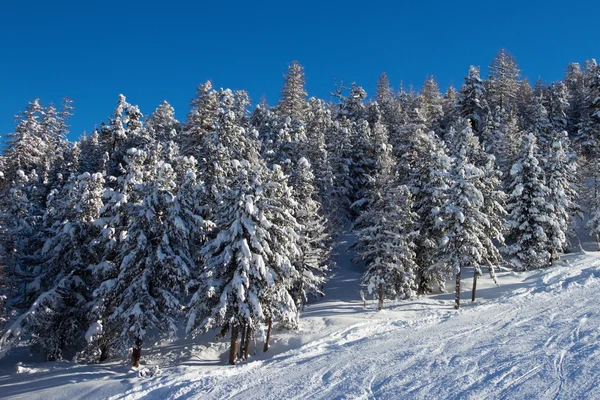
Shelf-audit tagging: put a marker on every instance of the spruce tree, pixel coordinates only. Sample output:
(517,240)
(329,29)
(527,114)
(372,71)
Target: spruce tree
(531,216)
(293,95)
(386,234)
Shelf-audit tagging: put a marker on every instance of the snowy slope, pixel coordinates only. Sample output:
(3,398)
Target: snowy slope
(536,336)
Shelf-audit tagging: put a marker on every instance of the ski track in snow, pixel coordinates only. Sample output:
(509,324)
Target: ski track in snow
(536,336)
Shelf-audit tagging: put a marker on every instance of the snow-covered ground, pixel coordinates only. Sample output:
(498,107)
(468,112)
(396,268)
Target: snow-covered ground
(535,336)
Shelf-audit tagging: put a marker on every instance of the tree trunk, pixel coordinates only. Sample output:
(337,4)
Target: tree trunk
(457,295)
(103,353)
(270,327)
(380,294)
(551,256)
(475,276)
(234,344)
(247,343)
(242,341)
(136,354)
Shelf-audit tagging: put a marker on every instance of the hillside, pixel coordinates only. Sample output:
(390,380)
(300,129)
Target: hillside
(535,336)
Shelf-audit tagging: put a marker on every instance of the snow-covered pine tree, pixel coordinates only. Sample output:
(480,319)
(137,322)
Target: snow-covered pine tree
(314,238)
(501,137)
(424,168)
(25,149)
(202,119)
(449,107)
(249,265)
(386,233)
(464,222)
(561,176)
(558,106)
(57,318)
(140,296)
(494,198)
(162,124)
(430,104)
(293,95)
(526,104)
(503,83)
(318,125)
(531,216)
(471,100)
(339,143)
(541,127)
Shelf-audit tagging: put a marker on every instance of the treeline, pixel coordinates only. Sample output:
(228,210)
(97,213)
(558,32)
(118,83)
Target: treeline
(149,227)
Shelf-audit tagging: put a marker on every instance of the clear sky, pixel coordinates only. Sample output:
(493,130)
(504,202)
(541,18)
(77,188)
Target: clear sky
(150,51)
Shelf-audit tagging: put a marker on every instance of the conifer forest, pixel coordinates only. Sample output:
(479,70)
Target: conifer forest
(148,228)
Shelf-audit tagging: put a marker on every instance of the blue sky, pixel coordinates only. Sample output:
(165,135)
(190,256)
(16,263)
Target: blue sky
(93,50)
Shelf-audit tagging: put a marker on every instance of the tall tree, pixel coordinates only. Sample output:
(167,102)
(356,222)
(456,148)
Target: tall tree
(531,217)
(293,95)
(386,234)
(471,100)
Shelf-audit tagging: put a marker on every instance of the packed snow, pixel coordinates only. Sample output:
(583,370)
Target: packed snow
(534,336)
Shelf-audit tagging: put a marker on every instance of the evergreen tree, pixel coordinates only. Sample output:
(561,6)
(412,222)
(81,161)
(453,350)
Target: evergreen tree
(249,265)
(430,104)
(424,168)
(386,234)
(503,83)
(314,238)
(162,125)
(471,100)
(531,217)
(561,173)
(465,223)
(293,95)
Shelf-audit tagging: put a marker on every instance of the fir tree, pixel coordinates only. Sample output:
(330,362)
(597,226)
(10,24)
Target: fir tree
(531,217)
(385,238)
(293,95)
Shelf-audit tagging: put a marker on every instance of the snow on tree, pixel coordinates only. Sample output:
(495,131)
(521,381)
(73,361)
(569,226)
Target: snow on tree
(202,119)
(162,124)
(541,127)
(249,267)
(531,217)
(492,208)
(25,148)
(561,175)
(314,238)
(339,143)
(558,106)
(430,104)
(318,125)
(503,83)
(293,95)
(386,233)
(464,221)
(141,295)
(57,317)
(471,100)
(501,137)
(424,168)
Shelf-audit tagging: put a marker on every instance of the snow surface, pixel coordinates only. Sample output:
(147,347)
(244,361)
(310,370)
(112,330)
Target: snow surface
(535,336)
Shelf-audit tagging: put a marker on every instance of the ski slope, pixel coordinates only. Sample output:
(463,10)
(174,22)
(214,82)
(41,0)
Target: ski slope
(535,336)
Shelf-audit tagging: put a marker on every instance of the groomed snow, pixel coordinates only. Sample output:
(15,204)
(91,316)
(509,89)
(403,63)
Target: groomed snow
(535,336)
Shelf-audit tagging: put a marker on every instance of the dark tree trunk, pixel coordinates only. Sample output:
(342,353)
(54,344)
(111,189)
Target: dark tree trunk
(551,256)
(247,342)
(475,276)
(457,295)
(136,354)
(103,353)
(234,344)
(270,327)
(380,294)
(243,341)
